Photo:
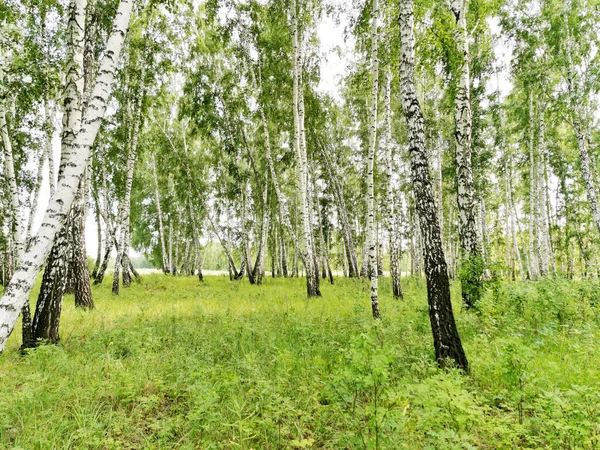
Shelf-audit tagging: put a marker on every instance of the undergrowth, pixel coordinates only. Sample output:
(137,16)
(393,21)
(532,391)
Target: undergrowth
(172,363)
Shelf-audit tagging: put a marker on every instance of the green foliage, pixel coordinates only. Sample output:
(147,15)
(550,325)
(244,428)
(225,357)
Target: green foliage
(172,363)
(471,276)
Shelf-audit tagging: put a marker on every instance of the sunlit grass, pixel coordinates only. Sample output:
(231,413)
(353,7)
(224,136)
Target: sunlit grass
(175,363)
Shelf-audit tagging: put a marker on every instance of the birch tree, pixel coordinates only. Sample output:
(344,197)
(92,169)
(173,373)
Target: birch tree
(371,239)
(446,339)
(18,290)
(467,225)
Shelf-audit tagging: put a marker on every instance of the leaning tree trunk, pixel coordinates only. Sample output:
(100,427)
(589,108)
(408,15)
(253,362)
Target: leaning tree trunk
(17,292)
(471,279)
(47,315)
(446,339)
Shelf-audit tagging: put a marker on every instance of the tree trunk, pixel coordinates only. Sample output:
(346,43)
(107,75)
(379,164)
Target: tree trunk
(81,274)
(259,265)
(49,303)
(446,339)
(533,249)
(391,214)
(36,192)
(123,257)
(161,230)
(543,227)
(471,281)
(47,315)
(350,252)
(371,238)
(284,265)
(14,208)
(99,230)
(17,292)
(312,279)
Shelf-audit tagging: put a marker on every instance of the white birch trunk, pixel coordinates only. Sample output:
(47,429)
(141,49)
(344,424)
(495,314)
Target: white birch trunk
(533,260)
(543,227)
(390,198)
(17,292)
(446,340)
(467,226)
(15,221)
(371,241)
(161,228)
(312,279)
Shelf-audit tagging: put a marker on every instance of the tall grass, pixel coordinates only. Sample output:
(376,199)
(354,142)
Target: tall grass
(173,363)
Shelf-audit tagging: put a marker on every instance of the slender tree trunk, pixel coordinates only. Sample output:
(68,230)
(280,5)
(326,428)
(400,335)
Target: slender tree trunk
(446,340)
(14,209)
(283,211)
(533,216)
(467,227)
(81,274)
(35,194)
(371,239)
(543,228)
(513,221)
(99,230)
(390,219)
(259,265)
(312,279)
(123,257)
(350,252)
(284,264)
(161,230)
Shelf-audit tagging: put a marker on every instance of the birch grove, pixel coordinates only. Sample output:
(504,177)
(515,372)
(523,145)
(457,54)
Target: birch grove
(259,140)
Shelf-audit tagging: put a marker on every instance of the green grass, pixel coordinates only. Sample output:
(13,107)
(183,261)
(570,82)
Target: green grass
(172,363)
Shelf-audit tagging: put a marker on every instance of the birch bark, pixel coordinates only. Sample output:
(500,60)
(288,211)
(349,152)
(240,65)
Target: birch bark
(371,241)
(123,256)
(312,277)
(15,221)
(161,229)
(446,339)
(390,202)
(533,222)
(17,292)
(467,225)
(544,237)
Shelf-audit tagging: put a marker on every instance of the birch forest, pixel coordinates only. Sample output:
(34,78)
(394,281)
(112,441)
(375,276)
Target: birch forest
(279,224)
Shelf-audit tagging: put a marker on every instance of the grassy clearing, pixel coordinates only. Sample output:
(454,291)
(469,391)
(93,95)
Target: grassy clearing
(172,363)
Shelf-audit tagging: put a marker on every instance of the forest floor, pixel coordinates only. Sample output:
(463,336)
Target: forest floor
(174,363)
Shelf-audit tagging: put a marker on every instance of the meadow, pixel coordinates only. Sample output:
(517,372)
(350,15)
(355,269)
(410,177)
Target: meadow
(175,363)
